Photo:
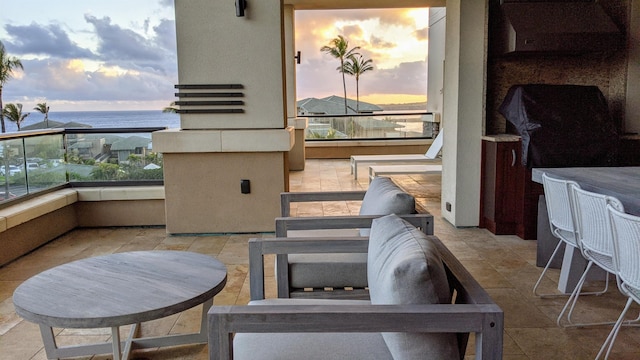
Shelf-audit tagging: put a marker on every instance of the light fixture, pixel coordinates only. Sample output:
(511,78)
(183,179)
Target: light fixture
(240,6)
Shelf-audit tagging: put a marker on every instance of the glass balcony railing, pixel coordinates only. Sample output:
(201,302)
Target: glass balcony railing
(108,155)
(36,161)
(371,126)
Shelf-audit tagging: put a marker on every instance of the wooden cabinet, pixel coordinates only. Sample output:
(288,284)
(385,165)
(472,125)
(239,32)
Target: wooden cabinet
(499,186)
(509,199)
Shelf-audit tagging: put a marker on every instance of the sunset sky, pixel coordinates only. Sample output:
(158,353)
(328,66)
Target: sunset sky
(93,55)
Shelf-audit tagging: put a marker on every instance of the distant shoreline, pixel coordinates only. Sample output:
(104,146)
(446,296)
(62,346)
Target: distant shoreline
(407,106)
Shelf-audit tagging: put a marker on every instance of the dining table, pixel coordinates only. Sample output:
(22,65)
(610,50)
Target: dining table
(622,183)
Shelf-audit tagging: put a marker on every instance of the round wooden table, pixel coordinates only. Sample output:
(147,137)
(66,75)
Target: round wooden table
(116,290)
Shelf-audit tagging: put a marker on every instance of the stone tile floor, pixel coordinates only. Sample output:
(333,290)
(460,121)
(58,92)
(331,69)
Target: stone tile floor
(504,265)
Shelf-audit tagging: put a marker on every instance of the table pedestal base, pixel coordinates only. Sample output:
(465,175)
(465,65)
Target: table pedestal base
(122,349)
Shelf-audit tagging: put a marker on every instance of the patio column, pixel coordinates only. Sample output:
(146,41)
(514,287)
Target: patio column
(463,110)
(233,119)
(297,154)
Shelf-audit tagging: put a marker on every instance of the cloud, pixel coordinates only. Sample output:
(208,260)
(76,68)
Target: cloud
(58,79)
(126,48)
(380,43)
(391,38)
(387,17)
(406,78)
(316,79)
(48,40)
(422,34)
(165,35)
(400,17)
(352,32)
(116,43)
(126,65)
(381,31)
(138,62)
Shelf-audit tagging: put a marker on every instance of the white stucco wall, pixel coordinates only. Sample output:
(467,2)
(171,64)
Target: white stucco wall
(290,61)
(216,47)
(464,110)
(208,158)
(435,59)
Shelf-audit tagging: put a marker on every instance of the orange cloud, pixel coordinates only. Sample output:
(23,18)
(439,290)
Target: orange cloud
(395,39)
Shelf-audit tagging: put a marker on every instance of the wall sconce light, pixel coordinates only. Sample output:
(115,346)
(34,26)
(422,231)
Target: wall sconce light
(240,6)
(298,57)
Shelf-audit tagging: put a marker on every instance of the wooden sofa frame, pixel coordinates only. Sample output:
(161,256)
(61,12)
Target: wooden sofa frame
(472,310)
(422,221)
(286,198)
(286,222)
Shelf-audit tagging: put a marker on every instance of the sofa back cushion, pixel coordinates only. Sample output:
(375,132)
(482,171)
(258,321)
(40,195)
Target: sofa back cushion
(383,197)
(404,267)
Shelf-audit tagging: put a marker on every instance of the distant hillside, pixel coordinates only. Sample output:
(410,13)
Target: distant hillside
(400,107)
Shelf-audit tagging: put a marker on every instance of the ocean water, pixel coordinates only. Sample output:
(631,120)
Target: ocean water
(106,119)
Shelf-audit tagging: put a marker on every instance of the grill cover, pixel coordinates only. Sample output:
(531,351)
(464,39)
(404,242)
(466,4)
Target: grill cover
(562,125)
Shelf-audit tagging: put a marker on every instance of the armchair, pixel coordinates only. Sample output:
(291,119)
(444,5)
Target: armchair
(308,275)
(423,303)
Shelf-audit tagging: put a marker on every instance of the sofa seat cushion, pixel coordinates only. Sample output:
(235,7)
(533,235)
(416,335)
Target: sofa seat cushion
(313,346)
(404,267)
(327,270)
(324,233)
(290,301)
(319,346)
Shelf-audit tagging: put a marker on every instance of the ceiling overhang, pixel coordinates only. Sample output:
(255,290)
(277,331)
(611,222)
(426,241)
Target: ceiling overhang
(362,4)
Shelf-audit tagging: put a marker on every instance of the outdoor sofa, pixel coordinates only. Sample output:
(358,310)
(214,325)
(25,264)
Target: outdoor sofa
(338,274)
(424,305)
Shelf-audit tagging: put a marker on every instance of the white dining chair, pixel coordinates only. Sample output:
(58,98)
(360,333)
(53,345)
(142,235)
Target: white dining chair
(559,207)
(593,233)
(625,229)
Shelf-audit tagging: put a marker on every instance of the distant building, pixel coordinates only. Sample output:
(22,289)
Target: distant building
(85,148)
(334,105)
(132,145)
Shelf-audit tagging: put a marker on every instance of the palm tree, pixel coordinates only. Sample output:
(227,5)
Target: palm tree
(14,113)
(43,108)
(7,65)
(172,108)
(356,66)
(339,49)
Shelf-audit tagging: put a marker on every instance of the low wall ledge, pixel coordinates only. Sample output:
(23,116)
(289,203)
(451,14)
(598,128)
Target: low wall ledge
(235,140)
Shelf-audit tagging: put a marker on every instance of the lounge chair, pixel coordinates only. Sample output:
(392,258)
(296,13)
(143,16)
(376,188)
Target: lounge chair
(428,157)
(383,170)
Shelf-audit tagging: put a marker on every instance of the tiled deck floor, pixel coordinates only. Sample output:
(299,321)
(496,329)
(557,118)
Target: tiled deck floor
(504,265)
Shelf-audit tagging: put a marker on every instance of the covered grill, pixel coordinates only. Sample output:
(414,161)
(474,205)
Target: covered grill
(562,125)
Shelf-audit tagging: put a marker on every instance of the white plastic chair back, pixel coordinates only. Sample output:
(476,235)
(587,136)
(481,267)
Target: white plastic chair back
(625,230)
(593,235)
(626,235)
(436,146)
(592,226)
(557,197)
